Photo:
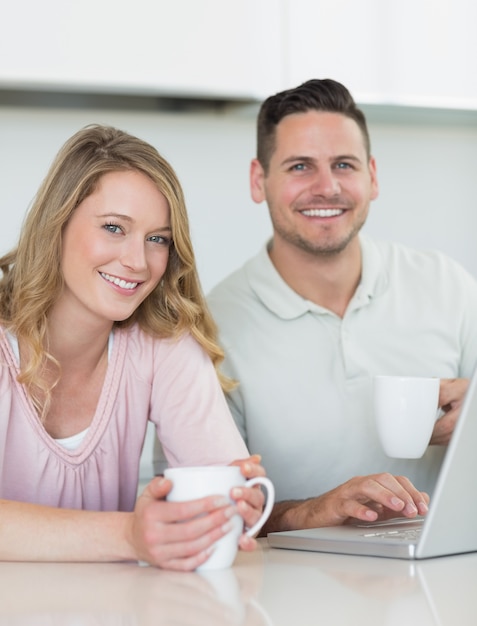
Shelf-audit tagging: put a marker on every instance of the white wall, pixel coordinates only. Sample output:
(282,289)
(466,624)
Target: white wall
(426,172)
(427,188)
(210,153)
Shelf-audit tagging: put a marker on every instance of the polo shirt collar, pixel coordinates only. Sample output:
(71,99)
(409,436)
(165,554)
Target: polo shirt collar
(284,302)
(374,278)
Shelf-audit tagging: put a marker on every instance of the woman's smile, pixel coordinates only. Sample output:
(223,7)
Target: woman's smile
(122,233)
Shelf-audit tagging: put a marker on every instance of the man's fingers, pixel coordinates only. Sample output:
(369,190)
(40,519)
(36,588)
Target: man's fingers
(368,496)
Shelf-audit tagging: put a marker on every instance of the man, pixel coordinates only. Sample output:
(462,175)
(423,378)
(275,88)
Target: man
(321,309)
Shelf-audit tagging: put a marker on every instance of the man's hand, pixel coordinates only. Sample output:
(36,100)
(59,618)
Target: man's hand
(365,498)
(451,395)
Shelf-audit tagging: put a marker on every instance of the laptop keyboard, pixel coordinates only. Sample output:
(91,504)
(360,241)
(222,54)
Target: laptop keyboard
(405,534)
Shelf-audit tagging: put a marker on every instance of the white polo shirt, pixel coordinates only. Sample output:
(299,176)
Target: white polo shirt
(305,374)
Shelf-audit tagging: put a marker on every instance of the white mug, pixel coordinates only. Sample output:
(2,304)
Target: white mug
(406,409)
(190,483)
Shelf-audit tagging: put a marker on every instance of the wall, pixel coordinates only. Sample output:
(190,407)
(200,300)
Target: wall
(426,172)
(209,152)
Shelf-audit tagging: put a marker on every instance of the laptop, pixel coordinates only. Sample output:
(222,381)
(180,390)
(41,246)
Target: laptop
(450,526)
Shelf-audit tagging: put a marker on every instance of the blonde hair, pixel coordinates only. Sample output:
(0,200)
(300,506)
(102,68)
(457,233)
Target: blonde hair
(32,278)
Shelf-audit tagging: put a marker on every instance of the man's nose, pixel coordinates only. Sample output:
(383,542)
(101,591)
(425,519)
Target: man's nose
(325,183)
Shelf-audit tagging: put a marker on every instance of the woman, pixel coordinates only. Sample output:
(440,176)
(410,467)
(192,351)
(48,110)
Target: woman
(104,327)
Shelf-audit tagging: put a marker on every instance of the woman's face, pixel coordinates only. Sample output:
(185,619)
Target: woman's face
(115,248)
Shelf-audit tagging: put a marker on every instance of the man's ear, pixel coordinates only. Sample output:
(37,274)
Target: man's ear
(257,178)
(374,178)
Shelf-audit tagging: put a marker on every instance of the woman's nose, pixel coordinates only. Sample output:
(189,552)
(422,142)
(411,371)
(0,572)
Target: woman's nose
(134,255)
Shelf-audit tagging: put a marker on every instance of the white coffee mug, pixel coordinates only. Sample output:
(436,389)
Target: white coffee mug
(190,483)
(406,409)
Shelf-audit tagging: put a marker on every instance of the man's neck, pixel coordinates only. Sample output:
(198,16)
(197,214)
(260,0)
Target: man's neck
(327,280)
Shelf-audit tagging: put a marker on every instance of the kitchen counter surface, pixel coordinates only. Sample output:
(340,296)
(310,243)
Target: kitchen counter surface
(268,587)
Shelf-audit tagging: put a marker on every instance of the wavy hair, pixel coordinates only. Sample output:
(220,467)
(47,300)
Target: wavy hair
(32,279)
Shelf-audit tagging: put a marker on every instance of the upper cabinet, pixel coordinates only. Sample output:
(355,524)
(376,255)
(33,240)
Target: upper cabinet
(432,52)
(340,40)
(397,52)
(409,52)
(190,48)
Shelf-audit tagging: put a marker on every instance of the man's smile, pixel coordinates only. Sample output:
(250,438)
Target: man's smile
(321,212)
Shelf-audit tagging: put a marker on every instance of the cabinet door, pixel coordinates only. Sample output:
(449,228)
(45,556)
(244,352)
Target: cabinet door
(180,47)
(432,52)
(412,52)
(341,40)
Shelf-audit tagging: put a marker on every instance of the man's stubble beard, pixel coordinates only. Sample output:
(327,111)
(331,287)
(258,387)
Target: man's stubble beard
(322,248)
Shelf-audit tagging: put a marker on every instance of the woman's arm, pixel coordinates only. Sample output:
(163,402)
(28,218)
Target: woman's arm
(150,533)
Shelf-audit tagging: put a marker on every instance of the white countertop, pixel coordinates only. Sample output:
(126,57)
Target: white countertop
(269,587)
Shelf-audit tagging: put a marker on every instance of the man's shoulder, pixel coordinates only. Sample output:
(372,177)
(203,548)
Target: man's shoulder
(239,300)
(407,257)
(418,272)
(227,298)
(229,285)
(237,285)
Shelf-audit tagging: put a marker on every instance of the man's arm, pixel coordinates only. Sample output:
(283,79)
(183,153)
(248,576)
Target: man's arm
(366,498)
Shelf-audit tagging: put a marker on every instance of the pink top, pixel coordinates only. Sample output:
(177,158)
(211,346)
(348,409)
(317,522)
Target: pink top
(170,382)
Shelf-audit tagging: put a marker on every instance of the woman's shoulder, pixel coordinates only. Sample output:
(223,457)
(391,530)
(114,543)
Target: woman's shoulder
(141,346)
(146,360)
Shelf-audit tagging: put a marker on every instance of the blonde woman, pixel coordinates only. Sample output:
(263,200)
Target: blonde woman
(104,328)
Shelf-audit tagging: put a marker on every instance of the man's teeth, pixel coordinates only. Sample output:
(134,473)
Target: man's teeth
(119,282)
(322,212)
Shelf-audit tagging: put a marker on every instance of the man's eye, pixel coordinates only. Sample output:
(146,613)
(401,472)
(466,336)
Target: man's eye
(299,167)
(343,165)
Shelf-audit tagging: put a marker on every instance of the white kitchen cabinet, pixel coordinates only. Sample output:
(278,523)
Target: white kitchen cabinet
(420,53)
(432,52)
(340,40)
(409,52)
(194,48)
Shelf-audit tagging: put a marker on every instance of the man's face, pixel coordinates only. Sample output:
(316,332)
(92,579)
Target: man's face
(319,184)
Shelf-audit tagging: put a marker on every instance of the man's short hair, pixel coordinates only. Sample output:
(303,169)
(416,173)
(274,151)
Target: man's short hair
(325,95)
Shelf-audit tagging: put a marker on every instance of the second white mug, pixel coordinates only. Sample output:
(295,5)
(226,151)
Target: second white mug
(406,409)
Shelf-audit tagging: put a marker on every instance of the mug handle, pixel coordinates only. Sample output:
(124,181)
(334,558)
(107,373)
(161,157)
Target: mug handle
(267,483)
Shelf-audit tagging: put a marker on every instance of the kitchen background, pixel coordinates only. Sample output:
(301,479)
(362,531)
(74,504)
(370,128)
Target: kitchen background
(188,76)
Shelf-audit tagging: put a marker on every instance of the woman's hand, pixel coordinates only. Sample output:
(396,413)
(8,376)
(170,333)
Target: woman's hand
(250,500)
(178,535)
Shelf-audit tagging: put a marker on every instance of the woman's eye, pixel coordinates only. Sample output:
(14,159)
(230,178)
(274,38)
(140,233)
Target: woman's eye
(112,228)
(159,239)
